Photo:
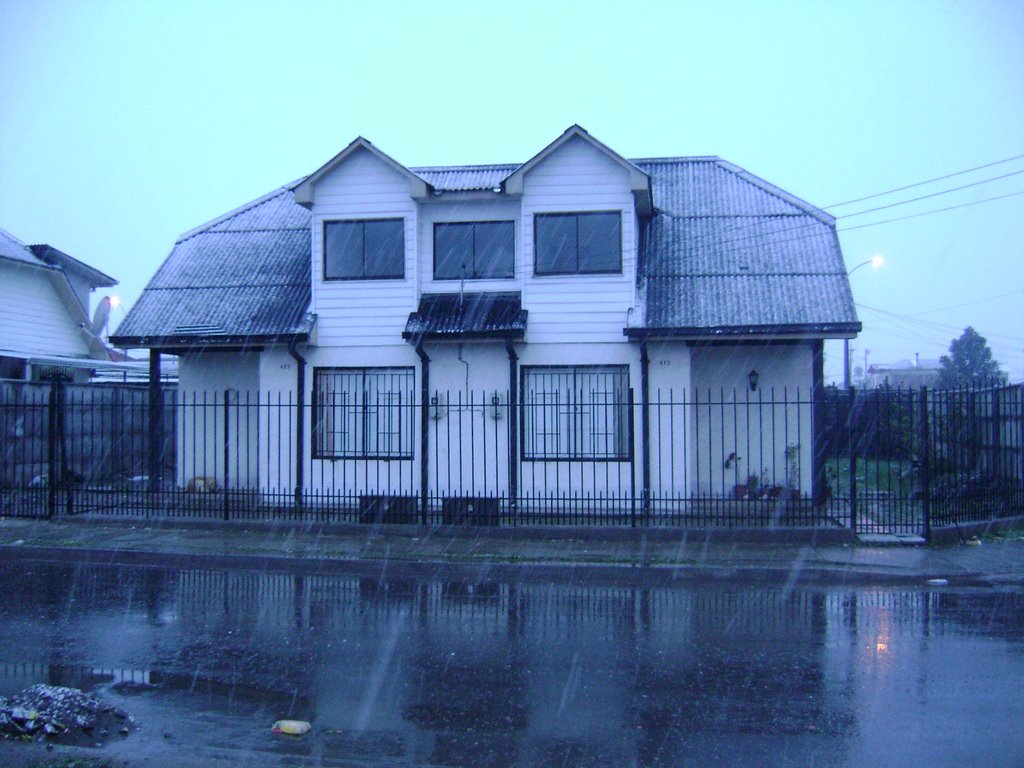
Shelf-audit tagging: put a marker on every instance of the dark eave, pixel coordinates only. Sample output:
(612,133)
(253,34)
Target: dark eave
(467,316)
(837,330)
(192,342)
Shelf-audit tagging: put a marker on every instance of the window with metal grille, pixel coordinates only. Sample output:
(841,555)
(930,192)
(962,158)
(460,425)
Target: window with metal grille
(576,412)
(363,413)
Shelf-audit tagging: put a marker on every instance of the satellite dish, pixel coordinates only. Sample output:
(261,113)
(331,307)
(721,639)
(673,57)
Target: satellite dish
(100,317)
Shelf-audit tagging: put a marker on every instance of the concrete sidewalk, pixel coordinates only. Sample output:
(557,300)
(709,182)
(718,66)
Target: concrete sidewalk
(593,555)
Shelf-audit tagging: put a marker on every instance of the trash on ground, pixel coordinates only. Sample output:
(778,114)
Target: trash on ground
(64,715)
(291,727)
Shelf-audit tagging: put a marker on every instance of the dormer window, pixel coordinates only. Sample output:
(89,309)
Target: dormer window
(364,249)
(578,243)
(474,250)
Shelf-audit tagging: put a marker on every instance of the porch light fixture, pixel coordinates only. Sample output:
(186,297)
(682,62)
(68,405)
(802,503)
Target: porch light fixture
(752,377)
(496,405)
(436,411)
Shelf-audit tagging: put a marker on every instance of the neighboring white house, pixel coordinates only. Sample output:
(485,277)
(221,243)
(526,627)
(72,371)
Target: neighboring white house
(579,325)
(44,311)
(903,374)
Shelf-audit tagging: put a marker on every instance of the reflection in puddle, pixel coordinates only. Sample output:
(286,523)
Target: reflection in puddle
(490,672)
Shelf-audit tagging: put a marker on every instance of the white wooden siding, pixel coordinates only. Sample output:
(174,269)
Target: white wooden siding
(363,313)
(453,210)
(33,318)
(203,382)
(578,308)
(756,426)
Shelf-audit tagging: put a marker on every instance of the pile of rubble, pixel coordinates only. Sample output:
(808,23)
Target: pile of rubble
(65,715)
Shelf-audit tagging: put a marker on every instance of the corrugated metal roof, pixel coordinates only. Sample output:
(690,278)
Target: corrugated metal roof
(469,315)
(57,258)
(464,178)
(247,275)
(12,248)
(727,250)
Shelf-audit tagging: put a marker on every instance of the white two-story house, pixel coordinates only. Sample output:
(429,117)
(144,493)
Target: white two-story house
(577,330)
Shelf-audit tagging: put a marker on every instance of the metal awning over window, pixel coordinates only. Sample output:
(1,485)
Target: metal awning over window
(459,316)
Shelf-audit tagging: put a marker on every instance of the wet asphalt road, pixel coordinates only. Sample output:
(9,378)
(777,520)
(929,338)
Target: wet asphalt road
(455,671)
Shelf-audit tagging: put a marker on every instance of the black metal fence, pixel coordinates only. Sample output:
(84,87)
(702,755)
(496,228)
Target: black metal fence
(561,452)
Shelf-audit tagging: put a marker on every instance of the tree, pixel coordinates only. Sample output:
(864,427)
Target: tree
(969,363)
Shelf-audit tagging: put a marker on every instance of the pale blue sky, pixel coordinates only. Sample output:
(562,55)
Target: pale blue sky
(123,124)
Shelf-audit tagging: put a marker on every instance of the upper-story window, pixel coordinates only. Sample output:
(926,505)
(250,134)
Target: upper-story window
(578,243)
(474,250)
(364,249)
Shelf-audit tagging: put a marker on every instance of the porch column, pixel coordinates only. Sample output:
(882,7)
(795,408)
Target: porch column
(645,427)
(818,421)
(513,429)
(424,428)
(156,423)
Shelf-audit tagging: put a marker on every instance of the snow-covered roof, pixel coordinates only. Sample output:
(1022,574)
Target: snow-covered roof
(244,278)
(724,254)
(12,249)
(464,178)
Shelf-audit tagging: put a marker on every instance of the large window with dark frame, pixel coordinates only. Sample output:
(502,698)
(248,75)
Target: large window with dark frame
(576,413)
(363,413)
(474,250)
(578,243)
(364,249)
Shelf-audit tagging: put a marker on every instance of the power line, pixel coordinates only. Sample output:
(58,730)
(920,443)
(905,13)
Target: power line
(933,325)
(816,223)
(968,303)
(922,183)
(933,194)
(929,213)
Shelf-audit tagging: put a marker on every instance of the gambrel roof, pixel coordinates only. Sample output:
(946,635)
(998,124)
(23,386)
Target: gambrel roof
(729,254)
(243,278)
(723,254)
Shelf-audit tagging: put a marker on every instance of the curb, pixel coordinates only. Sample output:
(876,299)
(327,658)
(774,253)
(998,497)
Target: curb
(650,575)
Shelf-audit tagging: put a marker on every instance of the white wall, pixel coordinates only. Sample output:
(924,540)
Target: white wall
(203,380)
(758,426)
(354,477)
(453,209)
(578,308)
(33,319)
(604,483)
(672,457)
(363,312)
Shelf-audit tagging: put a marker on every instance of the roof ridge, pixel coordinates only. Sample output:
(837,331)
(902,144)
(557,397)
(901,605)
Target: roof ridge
(678,159)
(778,192)
(239,210)
(296,284)
(471,166)
(261,229)
(15,238)
(746,273)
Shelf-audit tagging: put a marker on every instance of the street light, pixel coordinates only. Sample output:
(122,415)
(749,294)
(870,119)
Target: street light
(875,262)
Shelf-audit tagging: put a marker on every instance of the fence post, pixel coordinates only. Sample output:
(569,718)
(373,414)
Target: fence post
(996,470)
(645,427)
(227,453)
(156,423)
(817,422)
(926,491)
(52,448)
(853,459)
(632,462)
